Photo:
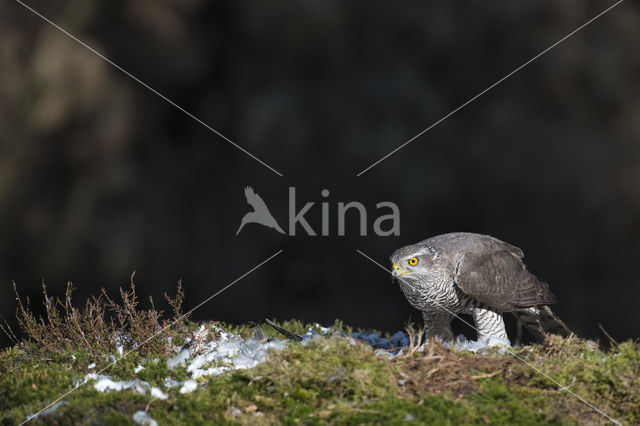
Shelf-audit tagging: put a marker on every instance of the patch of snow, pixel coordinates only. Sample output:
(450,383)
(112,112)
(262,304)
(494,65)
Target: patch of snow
(142,418)
(157,393)
(185,387)
(179,359)
(105,383)
(120,349)
(188,386)
(91,366)
(73,357)
(209,358)
(170,383)
(47,411)
(230,352)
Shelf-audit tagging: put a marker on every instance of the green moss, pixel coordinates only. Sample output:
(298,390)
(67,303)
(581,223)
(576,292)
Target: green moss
(334,379)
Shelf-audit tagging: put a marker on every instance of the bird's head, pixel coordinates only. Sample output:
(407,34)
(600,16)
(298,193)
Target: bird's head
(413,261)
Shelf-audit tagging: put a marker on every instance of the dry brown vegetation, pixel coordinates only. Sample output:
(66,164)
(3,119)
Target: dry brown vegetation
(100,325)
(437,370)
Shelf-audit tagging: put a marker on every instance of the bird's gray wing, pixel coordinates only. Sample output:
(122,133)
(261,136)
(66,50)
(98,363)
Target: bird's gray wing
(255,200)
(516,251)
(500,280)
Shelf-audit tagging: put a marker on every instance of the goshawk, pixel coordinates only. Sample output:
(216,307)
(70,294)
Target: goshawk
(465,273)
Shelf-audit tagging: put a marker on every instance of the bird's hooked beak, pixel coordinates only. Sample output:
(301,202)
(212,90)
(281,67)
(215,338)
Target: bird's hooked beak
(398,271)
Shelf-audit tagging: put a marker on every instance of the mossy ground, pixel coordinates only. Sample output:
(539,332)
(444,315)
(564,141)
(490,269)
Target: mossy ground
(336,379)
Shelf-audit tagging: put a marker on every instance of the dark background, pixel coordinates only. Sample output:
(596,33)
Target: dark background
(99,177)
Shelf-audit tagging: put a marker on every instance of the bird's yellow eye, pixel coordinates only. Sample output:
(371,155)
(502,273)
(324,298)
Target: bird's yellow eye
(413,261)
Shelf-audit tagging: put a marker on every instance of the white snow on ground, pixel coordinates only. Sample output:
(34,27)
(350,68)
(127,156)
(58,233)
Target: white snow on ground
(47,411)
(157,393)
(91,366)
(170,383)
(188,386)
(228,351)
(179,359)
(105,383)
(203,358)
(142,418)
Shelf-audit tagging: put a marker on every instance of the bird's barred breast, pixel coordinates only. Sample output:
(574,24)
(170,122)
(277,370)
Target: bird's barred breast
(437,296)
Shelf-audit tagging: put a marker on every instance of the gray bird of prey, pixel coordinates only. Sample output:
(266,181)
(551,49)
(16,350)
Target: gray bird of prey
(465,273)
(260,213)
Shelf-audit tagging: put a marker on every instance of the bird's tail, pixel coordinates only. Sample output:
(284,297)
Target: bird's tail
(541,320)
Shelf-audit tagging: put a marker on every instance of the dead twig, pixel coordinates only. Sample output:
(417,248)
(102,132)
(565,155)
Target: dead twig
(614,341)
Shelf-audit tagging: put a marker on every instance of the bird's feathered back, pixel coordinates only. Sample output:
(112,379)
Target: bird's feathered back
(491,271)
(500,281)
